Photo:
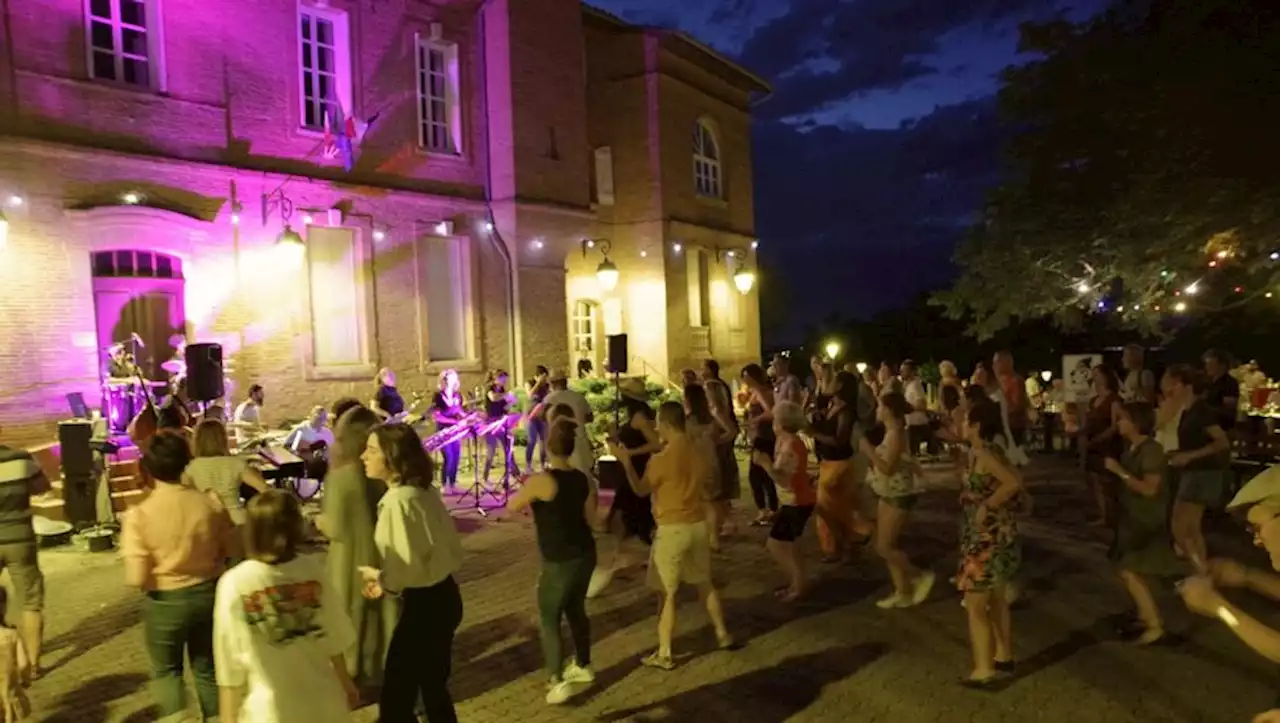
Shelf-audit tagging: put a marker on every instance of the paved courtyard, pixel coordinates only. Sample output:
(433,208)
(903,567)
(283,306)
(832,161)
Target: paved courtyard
(835,657)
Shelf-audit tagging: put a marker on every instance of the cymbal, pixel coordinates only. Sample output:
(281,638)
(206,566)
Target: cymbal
(174,366)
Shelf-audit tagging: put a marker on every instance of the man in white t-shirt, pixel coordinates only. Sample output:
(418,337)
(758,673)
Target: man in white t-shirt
(247,420)
(786,386)
(313,434)
(918,432)
(582,459)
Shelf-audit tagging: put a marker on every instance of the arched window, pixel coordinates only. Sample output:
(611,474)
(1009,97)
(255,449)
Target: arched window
(706,161)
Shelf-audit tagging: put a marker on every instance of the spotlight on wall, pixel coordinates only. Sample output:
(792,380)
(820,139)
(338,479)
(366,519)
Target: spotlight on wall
(488,226)
(677,247)
(606,272)
(15,201)
(307,220)
(537,244)
(755,245)
(379,234)
(131,198)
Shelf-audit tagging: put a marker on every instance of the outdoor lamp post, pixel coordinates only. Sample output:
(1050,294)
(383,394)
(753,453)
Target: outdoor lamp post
(1046,375)
(861,367)
(743,280)
(833,350)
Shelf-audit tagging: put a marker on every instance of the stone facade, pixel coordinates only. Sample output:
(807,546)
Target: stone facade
(203,161)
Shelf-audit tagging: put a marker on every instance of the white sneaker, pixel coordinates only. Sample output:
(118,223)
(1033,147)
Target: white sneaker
(574,673)
(559,693)
(895,600)
(600,579)
(924,585)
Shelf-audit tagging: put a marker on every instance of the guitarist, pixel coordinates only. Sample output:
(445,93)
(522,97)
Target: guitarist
(247,420)
(387,402)
(311,441)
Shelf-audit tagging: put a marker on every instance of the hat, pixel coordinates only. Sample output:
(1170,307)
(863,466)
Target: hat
(634,388)
(1263,488)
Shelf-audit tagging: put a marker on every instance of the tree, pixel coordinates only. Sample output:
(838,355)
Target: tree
(1142,171)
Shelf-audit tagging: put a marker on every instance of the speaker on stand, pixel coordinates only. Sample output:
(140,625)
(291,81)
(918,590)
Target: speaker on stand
(206,381)
(610,470)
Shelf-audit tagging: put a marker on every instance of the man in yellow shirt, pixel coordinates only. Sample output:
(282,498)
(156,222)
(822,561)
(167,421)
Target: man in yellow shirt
(677,480)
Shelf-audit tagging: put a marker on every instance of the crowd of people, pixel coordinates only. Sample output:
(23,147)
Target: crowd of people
(272,634)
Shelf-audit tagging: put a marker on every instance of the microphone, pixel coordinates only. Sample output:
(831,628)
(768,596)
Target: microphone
(137,340)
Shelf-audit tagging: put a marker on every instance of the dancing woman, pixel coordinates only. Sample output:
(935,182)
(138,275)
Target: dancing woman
(539,387)
(498,402)
(447,410)
(1202,464)
(833,433)
(1143,546)
(709,433)
(720,402)
(760,434)
(630,516)
(1102,440)
(989,549)
(564,510)
(420,550)
(892,476)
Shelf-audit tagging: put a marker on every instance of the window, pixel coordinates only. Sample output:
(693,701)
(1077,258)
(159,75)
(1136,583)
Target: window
(446,288)
(136,264)
(338,300)
(604,176)
(324,65)
(698,269)
(706,161)
(438,106)
(584,330)
(123,39)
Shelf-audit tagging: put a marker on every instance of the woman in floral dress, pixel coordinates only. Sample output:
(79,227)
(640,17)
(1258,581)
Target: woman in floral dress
(989,549)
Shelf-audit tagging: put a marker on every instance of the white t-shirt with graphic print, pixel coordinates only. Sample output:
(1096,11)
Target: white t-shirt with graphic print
(275,629)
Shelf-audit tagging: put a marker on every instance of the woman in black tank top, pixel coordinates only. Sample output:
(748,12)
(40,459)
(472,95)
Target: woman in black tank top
(564,508)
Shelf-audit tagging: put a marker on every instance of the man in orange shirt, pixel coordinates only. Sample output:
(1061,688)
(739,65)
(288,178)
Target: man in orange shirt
(1015,394)
(676,479)
(175,545)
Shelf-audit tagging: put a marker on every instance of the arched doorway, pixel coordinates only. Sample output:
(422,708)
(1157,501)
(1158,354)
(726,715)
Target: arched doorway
(584,334)
(139,292)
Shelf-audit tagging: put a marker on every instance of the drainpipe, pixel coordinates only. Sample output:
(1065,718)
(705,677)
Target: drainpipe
(514,336)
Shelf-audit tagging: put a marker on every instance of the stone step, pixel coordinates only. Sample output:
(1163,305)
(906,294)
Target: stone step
(53,508)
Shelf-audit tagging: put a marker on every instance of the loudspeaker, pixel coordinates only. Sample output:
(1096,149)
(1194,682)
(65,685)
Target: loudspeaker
(75,452)
(78,473)
(205,381)
(617,362)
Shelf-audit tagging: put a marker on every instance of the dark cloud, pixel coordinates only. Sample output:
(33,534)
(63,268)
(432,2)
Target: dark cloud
(872,213)
(863,45)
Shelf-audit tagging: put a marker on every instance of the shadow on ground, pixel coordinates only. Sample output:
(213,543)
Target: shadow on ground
(87,703)
(771,694)
(104,624)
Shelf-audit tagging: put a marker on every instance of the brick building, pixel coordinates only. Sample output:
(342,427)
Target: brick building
(156,153)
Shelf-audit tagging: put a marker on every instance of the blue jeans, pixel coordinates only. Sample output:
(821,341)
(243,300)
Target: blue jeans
(537,438)
(452,454)
(174,622)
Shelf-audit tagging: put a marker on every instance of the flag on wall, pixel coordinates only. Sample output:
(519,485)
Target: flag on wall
(342,135)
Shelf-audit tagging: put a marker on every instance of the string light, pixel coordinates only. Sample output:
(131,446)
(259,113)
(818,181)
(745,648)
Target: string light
(1179,307)
(1239,289)
(1223,254)
(1193,289)
(1212,264)
(1268,294)
(1275,255)
(1082,287)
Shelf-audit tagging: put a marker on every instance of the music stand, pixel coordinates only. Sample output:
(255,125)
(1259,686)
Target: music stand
(479,488)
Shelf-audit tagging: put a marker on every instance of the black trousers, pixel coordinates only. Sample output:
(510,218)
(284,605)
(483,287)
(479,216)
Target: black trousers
(763,490)
(420,657)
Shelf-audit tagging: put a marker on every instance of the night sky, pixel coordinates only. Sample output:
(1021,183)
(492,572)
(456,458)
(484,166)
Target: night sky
(875,150)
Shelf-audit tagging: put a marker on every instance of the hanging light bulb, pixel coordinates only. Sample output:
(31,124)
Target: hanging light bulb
(607,275)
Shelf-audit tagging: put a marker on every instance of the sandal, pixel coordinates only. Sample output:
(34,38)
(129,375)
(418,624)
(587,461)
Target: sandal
(661,662)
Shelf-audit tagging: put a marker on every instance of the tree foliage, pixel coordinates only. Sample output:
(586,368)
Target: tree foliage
(1142,171)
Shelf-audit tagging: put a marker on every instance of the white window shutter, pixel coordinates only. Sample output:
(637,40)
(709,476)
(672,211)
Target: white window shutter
(604,176)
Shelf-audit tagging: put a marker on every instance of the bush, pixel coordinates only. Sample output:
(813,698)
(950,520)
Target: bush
(600,394)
